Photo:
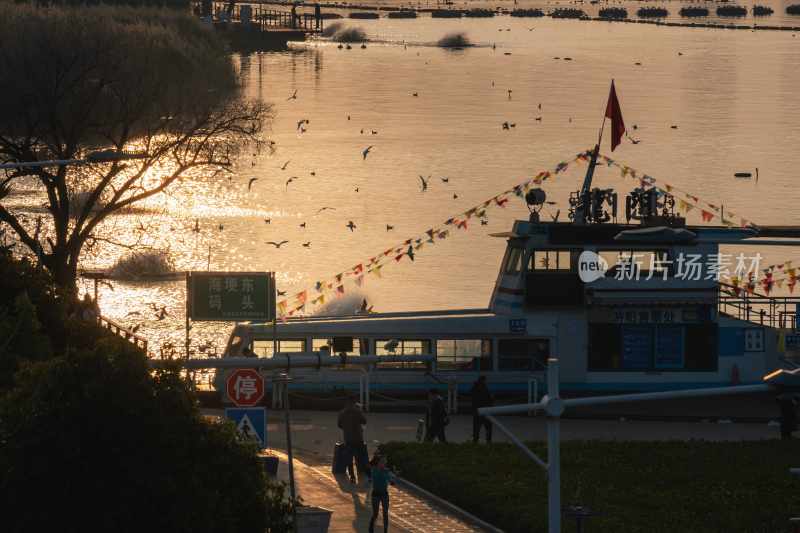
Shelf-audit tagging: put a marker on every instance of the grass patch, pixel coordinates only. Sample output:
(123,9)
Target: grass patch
(454,40)
(762,11)
(617,13)
(642,487)
(479,12)
(732,11)
(652,12)
(690,12)
(568,13)
(527,13)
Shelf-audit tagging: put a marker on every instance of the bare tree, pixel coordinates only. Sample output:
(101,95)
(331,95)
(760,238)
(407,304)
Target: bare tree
(155,82)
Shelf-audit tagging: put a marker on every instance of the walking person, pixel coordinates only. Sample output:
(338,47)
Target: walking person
(788,406)
(481,397)
(381,477)
(436,418)
(352,421)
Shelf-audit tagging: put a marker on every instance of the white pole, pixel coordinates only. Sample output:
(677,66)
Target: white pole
(553,452)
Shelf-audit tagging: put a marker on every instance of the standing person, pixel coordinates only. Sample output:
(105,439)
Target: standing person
(481,397)
(351,421)
(788,405)
(294,16)
(436,418)
(381,478)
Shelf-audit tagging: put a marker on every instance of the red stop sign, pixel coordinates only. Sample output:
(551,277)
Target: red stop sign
(245,387)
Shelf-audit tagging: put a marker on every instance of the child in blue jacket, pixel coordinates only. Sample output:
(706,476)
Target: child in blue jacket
(381,479)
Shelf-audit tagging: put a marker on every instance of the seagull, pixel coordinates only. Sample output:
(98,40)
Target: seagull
(303,225)
(267,220)
(484,222)
(300,127)
(509,94)
(307,244)
(250,183)
(351,225)
(162,313)
(374,132)
(293,97)
(313,173)
(281,293)
(410,252)
(196,225)
(445,180)
(414,94)
(674,127)
(424,184)
(389,228)
(455,196)
(321,209)
(276,244)
(221,227)
(540,106)
(539,119)
(286,165)
(134,313)
(135,328)
(506,125)
(366,151)
(291,180)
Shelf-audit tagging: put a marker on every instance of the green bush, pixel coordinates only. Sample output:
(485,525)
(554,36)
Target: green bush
(647,487)
(100,443)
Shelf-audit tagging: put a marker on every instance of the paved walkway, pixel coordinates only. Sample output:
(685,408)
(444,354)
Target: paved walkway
(316,485)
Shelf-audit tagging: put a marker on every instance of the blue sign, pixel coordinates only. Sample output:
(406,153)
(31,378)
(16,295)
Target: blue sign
(518,325)
(251,422)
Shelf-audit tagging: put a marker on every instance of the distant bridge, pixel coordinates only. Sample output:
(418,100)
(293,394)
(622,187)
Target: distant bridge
(257,25)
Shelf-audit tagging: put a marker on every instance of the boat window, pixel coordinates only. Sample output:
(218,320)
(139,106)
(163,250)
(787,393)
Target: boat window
(514,261)
(464,354)
(403,347)
(317,344)
(651,347)
(636,264)
(523,354)
(263,348)
(544,260)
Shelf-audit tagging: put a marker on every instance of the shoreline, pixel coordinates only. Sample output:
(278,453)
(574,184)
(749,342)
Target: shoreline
(463,13)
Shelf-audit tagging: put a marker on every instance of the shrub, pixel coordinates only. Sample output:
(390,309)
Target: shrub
(363,15)
(142,265)
(446,13)
(105,442)
(568,13)
(350,35)
(762,11)
(527,13)
(698,486)
(652,12)
(616,13)
(454,40)
(732,11)
(690,12)
(793,9)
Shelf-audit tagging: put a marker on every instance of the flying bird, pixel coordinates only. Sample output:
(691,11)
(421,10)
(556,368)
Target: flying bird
(366,151)
(250,183)
(410,252)
(484,222)
(424,183)
(293,97)
(281,293)
(196,225)
(290,180)
(135,328)
(221,227)
(276,244)
(321,209)
(307,244)
(134,313)
(286,165)
(445,180)
(300,124)
(162,313)
(351,225)
(267,220)
(303,225)
(455,196)
(389,228)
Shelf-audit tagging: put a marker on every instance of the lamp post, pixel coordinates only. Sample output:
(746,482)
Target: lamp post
(98,156)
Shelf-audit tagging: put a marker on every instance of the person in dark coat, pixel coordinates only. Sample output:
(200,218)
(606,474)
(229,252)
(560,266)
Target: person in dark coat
(788,406)
(481,397)
(436,417)
(352,422)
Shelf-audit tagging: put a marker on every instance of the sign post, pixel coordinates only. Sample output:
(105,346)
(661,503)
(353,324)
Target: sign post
(245,389)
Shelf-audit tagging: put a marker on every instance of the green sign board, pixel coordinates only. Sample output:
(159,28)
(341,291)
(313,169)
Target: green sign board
(231,296)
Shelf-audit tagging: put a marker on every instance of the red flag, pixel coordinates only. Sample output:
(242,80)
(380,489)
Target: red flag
(614,113)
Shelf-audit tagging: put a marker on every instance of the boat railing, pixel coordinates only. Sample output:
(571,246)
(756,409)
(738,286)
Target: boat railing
(121,331)
(775,312)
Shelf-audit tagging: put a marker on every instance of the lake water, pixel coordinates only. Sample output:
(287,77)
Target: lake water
(731,94)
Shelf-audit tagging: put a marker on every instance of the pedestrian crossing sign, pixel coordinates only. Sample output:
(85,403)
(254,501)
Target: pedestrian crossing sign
(251,422)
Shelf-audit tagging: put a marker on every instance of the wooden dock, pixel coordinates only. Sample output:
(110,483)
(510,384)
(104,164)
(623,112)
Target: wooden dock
(250,27)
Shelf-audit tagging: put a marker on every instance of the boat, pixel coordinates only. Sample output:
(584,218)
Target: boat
(606,296)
